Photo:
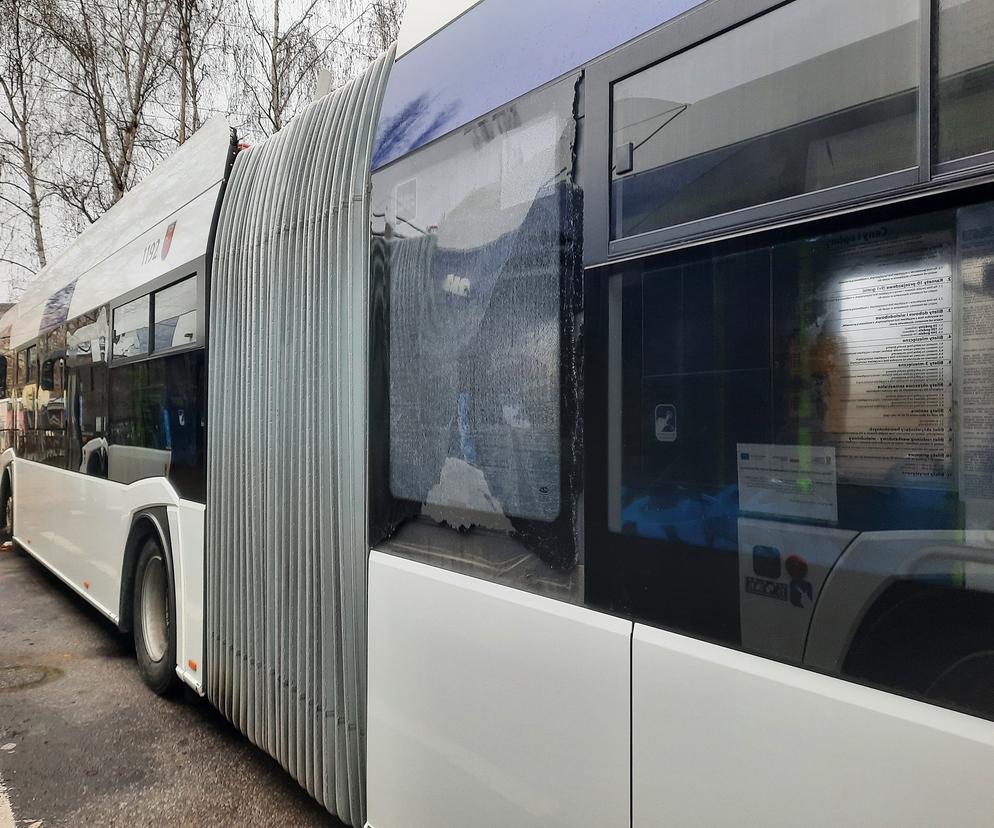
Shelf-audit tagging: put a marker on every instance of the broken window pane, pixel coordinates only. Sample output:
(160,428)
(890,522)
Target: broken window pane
(482,233)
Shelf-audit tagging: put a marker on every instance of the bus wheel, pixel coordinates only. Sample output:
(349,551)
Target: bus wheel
(154,623)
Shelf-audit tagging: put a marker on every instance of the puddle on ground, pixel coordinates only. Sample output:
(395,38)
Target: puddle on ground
(19,677)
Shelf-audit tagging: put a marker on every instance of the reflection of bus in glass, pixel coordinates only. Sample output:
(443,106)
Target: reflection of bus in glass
(645,468)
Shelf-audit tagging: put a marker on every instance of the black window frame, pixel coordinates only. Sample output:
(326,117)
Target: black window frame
(194,270)
(625,574)
(682,34)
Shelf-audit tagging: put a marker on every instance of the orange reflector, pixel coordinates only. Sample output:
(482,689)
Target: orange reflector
(85,583)
(193,664)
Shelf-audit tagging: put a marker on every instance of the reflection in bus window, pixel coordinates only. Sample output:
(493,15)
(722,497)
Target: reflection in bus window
(157,422)
(7,435)
(131,328)
(815,94)
(964,100)
(801,459)
(176,315)
(87,395)
(47,442)
(86,340)
(29,389)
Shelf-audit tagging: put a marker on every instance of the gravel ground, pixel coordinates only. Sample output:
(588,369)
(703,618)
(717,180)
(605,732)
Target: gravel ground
(84,743)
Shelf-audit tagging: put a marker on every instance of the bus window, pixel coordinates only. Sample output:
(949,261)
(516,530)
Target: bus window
(175,315)
(31,360)
(86,340)
(157,422)
(812,95)
(790,409)
(484,257)
(964,95)
(86,395)
(131,328)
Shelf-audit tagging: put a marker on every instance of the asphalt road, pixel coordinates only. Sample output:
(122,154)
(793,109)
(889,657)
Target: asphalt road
(84,743)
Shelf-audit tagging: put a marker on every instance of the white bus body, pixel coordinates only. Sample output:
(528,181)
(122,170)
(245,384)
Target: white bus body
(598,425)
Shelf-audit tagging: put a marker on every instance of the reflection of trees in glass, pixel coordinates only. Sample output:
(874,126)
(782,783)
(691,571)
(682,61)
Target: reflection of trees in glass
(419,121)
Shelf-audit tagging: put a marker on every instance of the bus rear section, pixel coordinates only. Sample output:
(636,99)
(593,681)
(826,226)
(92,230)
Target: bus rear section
(679,453)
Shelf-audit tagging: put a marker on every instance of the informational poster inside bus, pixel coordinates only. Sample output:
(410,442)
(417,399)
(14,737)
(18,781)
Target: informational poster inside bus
(788,481)
(975,377)
(883,360)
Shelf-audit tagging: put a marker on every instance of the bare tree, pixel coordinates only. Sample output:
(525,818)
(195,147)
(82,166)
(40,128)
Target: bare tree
(200,29)
(94,92)
(26,55)
(384,23)
(118,53)
(281,59)
(368,28)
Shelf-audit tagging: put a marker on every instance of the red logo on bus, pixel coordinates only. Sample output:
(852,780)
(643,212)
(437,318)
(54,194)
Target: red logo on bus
(168,240)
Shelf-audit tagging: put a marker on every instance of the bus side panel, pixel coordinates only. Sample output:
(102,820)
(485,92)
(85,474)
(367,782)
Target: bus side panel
(186,526)
(71,523)
(77,525)
(721,737)
(492,707)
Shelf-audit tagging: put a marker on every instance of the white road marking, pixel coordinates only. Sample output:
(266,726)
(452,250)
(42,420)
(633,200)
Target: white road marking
(6,814)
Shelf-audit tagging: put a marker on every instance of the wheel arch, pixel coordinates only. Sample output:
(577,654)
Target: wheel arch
(7,468)
(7,492)
(149,522)
(917,633)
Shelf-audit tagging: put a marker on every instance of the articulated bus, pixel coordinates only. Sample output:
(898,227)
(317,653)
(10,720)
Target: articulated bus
(584,417)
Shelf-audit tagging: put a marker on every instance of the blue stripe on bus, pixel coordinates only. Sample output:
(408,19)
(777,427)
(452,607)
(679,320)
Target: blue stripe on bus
(496,52)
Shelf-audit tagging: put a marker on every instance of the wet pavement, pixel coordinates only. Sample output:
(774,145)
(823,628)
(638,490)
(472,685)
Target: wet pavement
(83,742)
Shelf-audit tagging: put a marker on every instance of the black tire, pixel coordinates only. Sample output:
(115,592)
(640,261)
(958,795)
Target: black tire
(154,619)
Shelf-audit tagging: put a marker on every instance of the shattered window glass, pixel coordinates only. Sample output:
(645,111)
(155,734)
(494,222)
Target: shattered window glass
(482,231)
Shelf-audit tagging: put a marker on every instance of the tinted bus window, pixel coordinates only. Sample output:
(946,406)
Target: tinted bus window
(800,450)
(176,315)
(87,417)
(131,328)
(964,98)
(815,94)
(157,422)
(31,360)
(47,443)
(6,403)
